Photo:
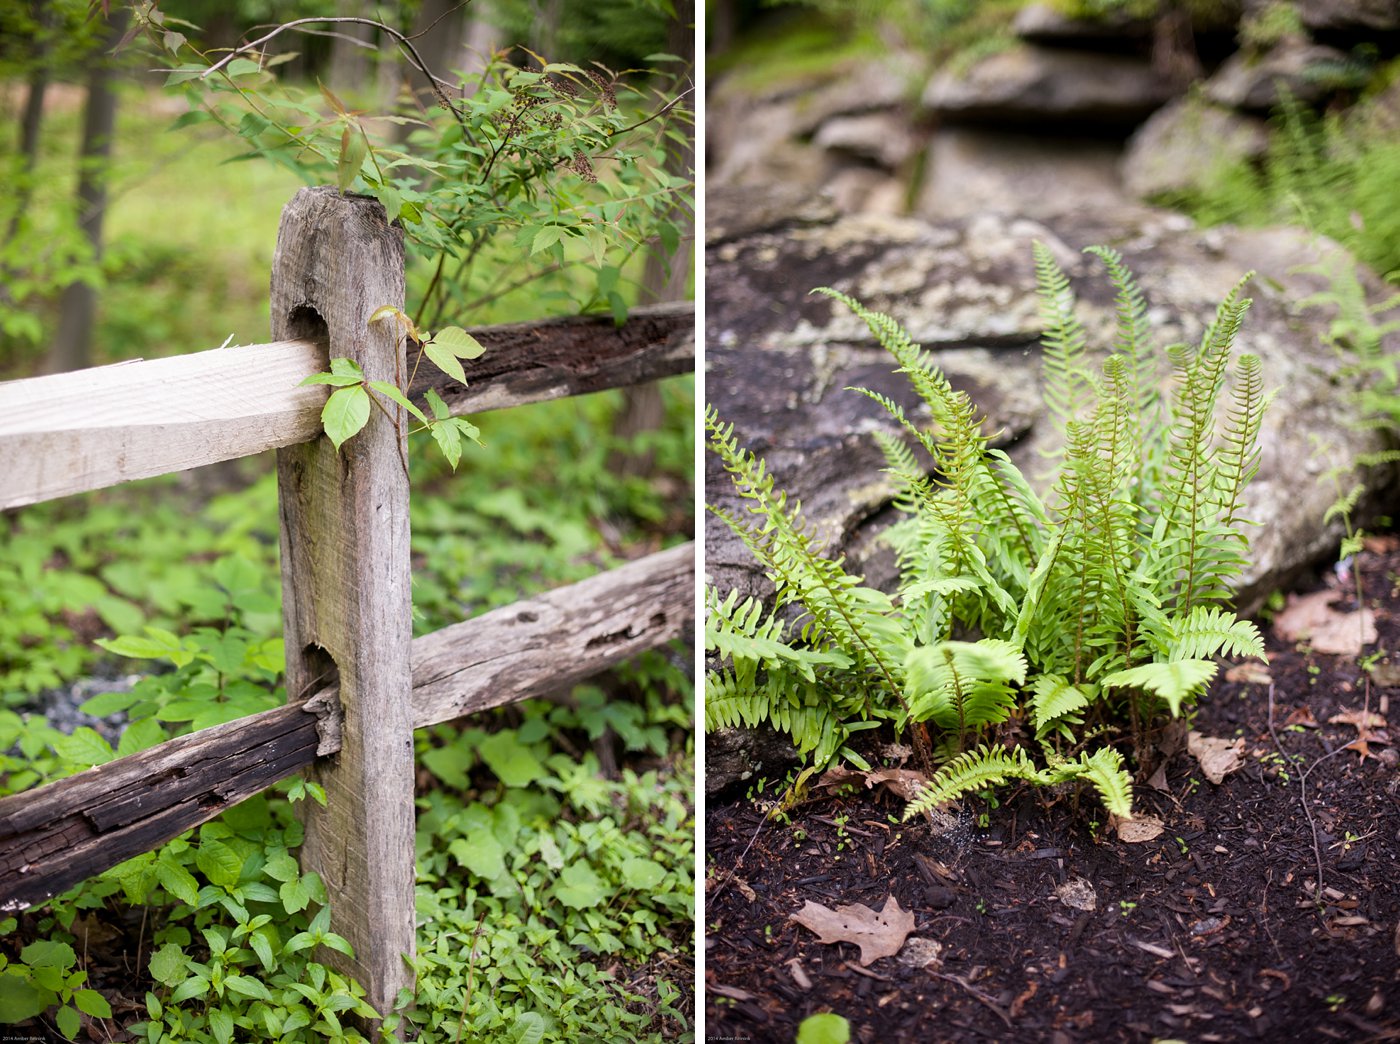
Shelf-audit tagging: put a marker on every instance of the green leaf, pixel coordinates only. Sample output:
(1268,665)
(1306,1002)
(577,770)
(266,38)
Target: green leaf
(221,1024)
(46,953)
(295,896)
(386,311)
(20,1000)
(391,390)
(107,703)
(242,67)
(281,866)
(579,887)
(194,986)
(512,762)
(343,367)
(248,986)
(440,409)
(83,747)
(178,881)
(141,735)
(218,862)
(345,413)
(168,964)
(449,440)
(1173,681)
(90,1002)
(445,361)
(545,238)
(448,764)
(825,1028)
(354,147)
(482,854)
(69,1022)
(642,874)
(529,1028)
(340,380)
(459,342)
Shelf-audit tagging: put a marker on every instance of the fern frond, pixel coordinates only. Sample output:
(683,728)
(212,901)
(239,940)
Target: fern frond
(969,772)
(1174,681)
(1054,698)
(1104,769)
(1066,384)
(1134,342)
(1212,631)
(962,685)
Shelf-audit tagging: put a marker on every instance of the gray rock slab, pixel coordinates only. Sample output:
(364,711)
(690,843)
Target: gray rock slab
(1257,83)
(1185,144)
(1028,84)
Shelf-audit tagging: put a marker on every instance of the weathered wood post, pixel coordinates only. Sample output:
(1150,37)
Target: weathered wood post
(345,581)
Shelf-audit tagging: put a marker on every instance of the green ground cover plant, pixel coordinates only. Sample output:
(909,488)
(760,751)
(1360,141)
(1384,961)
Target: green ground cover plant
(1032,638)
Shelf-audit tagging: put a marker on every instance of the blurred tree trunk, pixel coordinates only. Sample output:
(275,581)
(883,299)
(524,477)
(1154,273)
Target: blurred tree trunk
(72,345)
(31,120)
(350,64)
(644,408)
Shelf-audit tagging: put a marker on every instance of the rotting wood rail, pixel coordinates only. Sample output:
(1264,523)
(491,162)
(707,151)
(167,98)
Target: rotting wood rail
(358,685)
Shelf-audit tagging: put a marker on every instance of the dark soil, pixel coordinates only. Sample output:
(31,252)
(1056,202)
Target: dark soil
(1214,931)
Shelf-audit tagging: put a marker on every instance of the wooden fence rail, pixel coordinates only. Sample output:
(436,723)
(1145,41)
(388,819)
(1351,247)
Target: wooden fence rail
(358,684)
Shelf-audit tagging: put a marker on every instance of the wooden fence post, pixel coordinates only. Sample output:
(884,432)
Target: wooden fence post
(345,581)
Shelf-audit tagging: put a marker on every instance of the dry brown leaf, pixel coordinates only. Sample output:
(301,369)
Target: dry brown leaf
(1311,617)
(1251,672)
(1370,728)
(903,783)
(878,934)
(1138,829)
(1078,894)
(1217,757)
(1302,716)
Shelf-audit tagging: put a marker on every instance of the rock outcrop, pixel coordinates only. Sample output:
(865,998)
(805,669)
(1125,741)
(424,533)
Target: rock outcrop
(778,359)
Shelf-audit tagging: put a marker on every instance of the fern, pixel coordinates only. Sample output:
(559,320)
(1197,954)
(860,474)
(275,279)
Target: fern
(1042,621)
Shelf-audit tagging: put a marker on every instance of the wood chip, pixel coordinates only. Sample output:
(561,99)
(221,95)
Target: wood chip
(1153,948)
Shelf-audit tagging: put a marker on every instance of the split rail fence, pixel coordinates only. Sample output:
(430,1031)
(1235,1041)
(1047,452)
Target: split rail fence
(358,682)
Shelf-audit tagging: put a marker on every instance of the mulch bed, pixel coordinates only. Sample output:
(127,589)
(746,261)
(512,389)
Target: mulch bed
(1212,931)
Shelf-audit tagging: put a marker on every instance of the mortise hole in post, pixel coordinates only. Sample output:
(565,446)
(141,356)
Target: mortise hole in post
(320,668)
(306,324)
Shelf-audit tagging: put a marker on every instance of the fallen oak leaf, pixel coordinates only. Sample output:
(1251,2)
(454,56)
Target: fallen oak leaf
(878,934)
(1217,757)
(1311,618)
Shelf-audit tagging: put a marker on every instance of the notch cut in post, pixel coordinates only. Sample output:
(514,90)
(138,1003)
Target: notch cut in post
(345,582)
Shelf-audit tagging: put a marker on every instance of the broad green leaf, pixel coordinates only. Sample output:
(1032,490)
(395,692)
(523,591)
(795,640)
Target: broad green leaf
(46,953)
(512,762)
(281,866)
(218,862)
(825,1028)
(194,986)
(90,1002)
(295,896)
(459,342)
(545,238)
(107,703)
(579,887)
(340,380)
(642,874)
(221,1023)
(482,854)
(345,413)
(445,434)
(391,200)
(178,881)
(445,361)
(448,764)
(354,147)
(83,747)
(248,987)
(344,367)
(168,964)
(141,735)
(392,391)
(440,409)
(242,67)
(529,1028)
(20,1000)
(69,1022)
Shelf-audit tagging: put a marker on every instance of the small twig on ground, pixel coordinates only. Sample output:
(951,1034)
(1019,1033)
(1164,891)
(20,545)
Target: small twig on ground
(719,888)
(976,994)
(1302,796)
